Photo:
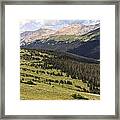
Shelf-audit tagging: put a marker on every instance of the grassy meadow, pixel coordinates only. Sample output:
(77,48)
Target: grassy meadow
(45,75)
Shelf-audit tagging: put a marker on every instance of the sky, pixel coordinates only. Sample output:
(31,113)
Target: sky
(32,25)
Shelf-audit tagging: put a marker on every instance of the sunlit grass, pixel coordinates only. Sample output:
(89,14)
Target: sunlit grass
(43,89)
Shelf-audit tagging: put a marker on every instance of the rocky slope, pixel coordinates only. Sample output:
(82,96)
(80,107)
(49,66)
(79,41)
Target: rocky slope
(73,30)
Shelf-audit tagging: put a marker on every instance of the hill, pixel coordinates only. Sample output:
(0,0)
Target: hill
(47,75)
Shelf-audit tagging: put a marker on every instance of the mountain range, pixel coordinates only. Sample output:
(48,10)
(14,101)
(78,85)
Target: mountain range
(77,39)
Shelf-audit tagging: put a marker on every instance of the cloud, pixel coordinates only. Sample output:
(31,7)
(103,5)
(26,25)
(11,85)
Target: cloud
(31,25)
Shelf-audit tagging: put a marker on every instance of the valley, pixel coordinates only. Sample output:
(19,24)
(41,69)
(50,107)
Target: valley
(60,60)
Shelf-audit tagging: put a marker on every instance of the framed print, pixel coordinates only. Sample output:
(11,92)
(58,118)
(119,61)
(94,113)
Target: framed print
(59,59)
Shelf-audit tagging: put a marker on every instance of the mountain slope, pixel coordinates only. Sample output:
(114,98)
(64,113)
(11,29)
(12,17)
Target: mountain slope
(68,32)
(90,49)
(87,45)
(76,29)
(30,36)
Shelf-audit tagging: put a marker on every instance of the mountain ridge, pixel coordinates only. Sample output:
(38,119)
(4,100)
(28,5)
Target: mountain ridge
(87,45)
(43,33)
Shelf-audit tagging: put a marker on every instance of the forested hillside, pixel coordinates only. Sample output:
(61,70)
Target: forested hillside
(57,76)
